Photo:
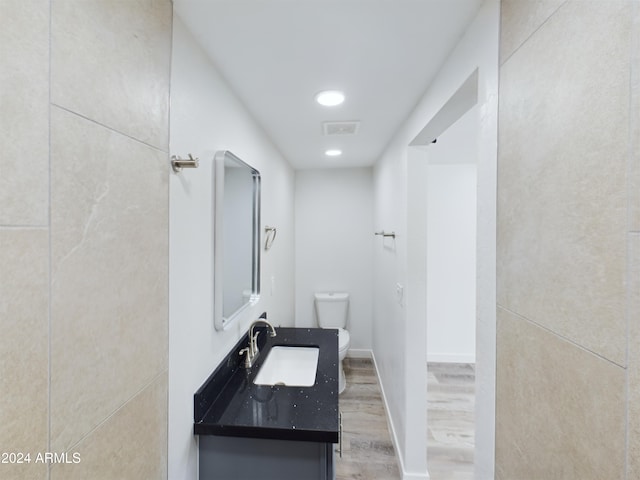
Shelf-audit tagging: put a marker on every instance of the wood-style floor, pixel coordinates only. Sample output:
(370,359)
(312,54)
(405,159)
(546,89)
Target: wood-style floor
(450,420)
(367,449)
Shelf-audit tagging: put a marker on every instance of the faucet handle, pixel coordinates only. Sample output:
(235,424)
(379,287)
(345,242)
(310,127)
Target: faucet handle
(247,357)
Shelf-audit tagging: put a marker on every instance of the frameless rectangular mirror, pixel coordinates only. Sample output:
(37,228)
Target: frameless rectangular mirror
(237,237)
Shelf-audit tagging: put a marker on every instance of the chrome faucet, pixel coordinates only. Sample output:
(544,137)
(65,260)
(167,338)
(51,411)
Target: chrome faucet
(251,352)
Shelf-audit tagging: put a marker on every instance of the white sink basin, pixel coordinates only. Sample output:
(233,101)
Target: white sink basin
(290,366)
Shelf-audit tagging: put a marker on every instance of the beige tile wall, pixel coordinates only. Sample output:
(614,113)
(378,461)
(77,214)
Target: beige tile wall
(633,402)
(84,235)
(561,409)
(634,124)
(633,275)
(120,448)
(110,64)
(559,255)
(567,202)
(108,192)
(519,20)
(24,99)
(24,369)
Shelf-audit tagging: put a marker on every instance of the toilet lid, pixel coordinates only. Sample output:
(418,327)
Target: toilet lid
(343,339)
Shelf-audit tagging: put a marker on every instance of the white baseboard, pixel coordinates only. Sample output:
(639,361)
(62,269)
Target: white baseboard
(394,438)
(450,358)
(359,353)
(415,476)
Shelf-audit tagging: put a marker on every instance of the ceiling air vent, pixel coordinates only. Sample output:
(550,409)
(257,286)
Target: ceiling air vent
(340,128)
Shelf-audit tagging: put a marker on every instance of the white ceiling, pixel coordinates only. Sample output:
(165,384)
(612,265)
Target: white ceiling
(277,54)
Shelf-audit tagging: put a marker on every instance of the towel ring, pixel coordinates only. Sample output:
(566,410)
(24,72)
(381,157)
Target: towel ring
(270,236)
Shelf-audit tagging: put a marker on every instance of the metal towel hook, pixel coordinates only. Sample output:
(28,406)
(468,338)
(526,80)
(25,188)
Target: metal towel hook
(178,163)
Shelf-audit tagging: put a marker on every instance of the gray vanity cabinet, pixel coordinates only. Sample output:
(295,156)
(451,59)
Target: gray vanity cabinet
(233,458)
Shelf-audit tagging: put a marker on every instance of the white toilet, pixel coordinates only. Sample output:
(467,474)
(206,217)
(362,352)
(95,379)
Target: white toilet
(331,309)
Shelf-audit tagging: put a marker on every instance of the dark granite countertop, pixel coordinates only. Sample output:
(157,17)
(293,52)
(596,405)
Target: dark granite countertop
(230,404)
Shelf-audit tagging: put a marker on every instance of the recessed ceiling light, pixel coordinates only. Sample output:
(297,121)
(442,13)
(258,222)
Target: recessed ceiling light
(330,98)
(333,153)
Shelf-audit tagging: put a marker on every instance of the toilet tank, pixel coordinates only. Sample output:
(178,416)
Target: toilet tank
(331,309)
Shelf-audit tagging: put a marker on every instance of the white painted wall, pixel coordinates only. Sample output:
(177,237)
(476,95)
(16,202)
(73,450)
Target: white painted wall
(451,243)
(451,256)
(391,335)
(414,302)
(207,117)
(334,245)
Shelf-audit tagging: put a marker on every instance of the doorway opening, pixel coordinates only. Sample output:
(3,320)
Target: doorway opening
(451,299)
(455,280)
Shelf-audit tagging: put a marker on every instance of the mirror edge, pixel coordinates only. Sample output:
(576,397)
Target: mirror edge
(220,321)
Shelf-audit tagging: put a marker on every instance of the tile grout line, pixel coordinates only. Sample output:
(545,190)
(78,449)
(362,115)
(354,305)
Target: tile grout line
(503,62)
(631,169)
(562,337)
(50,244)
(124,404)
(24,227)
(111,129)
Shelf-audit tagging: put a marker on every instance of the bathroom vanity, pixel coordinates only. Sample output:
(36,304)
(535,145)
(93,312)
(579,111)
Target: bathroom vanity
(249,431)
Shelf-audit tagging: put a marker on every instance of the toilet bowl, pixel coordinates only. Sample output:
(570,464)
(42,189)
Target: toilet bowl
(331,310)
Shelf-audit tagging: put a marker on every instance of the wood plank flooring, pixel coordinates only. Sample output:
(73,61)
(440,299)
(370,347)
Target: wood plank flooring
(450,420)
(368,452)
